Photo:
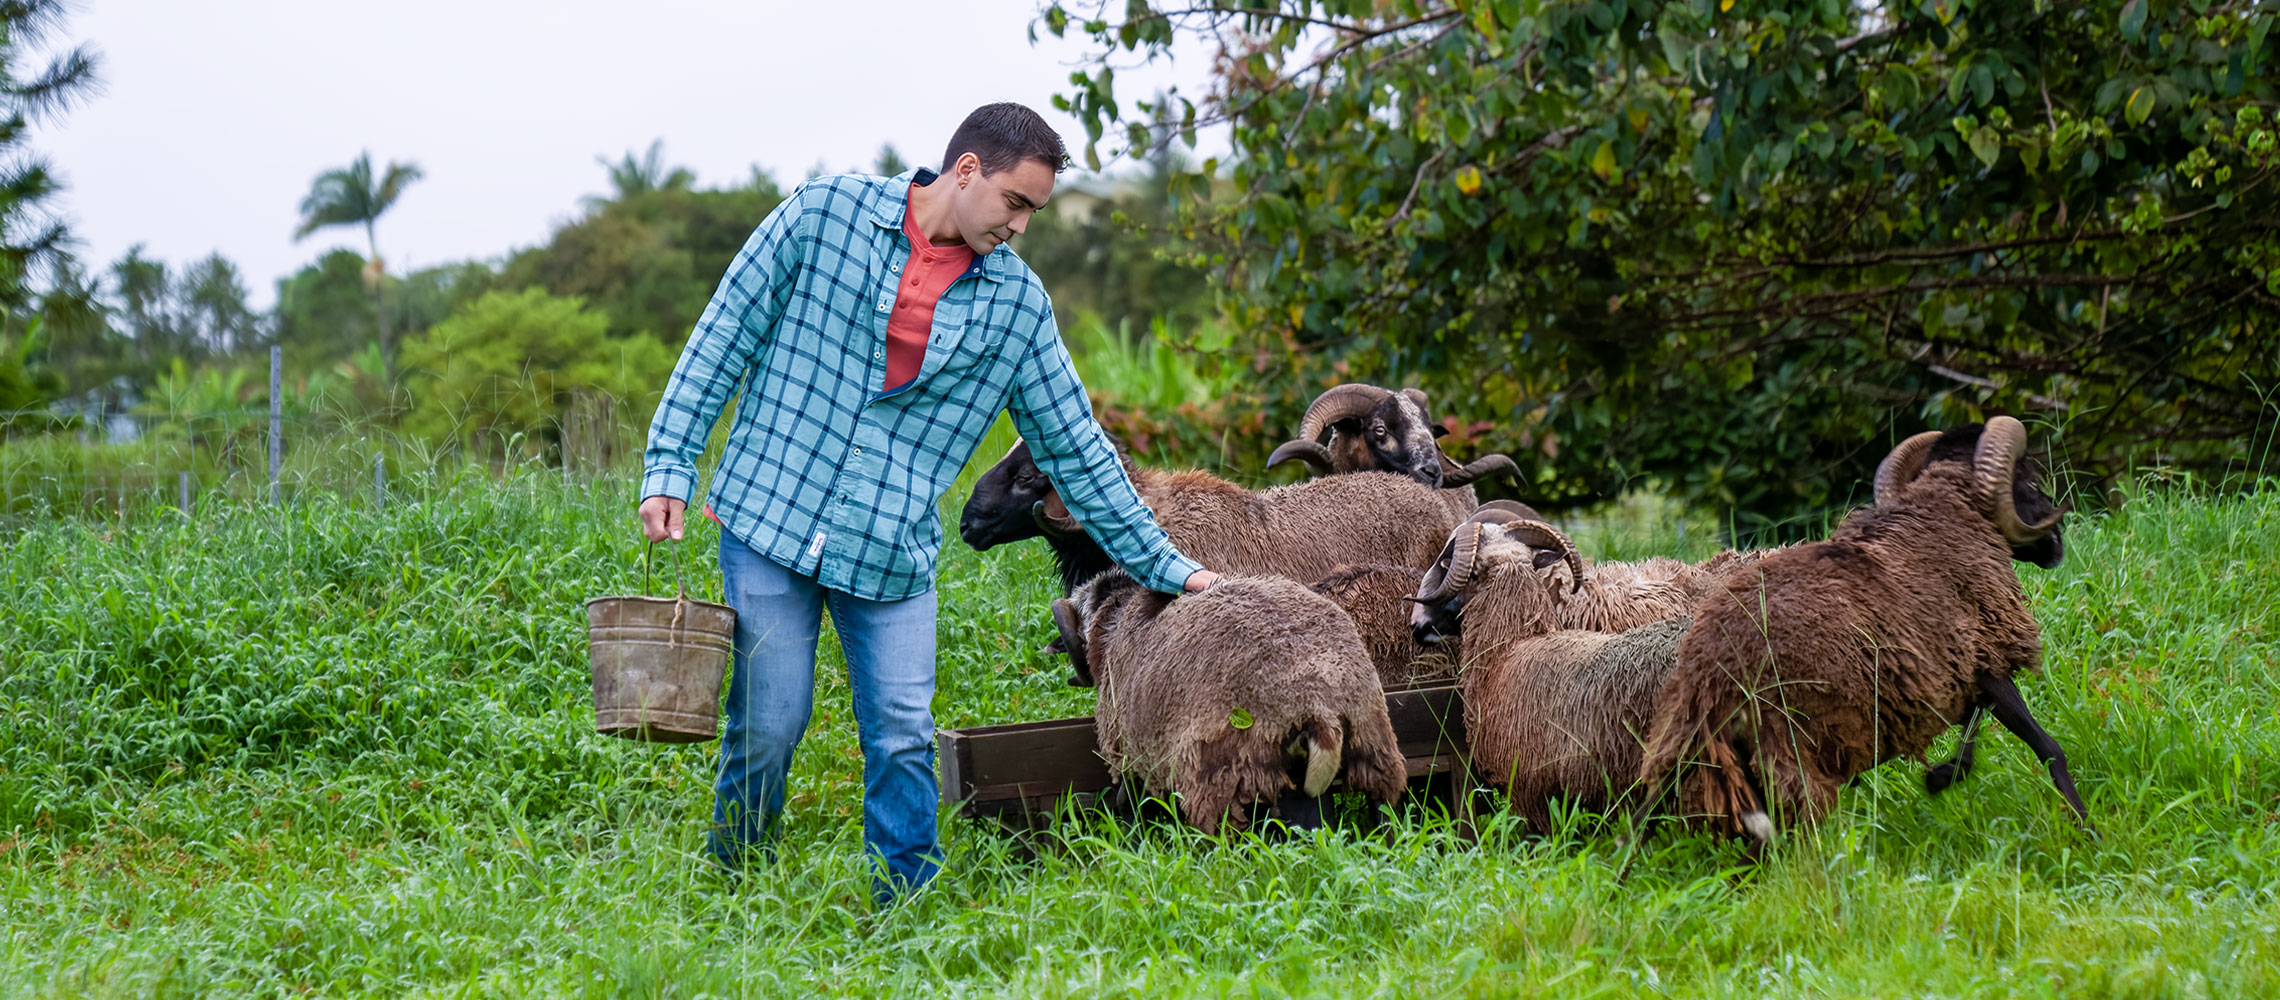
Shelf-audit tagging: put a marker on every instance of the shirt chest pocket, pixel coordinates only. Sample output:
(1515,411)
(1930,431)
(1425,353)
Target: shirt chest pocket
(964,342)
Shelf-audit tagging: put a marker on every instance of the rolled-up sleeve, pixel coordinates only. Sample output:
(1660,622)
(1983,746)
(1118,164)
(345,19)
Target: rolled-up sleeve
(727,340)
(1049,409)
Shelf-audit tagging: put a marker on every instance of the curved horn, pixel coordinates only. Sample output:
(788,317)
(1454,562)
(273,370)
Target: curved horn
(1424,407)
(1486,465)
(1544,536)
(1053,518)
(1445,579)
(1312,453)
(1337,403)
(1073,637)
(1900,468)
(1504,512)
(1436,584)
(1995,465)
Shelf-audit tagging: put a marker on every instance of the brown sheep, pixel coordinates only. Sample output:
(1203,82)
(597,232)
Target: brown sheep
(1564,715)
(1825,660)
(1551,713)
(1301,531)
(1376,597)
(1212,695)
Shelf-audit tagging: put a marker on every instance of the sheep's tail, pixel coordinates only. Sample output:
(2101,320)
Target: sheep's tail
(1687,758)
(1325,752)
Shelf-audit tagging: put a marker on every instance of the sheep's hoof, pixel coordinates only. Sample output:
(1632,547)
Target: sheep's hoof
(1760,829)
(1945,773)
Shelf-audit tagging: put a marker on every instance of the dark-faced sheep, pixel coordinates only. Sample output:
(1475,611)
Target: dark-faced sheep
(1824,660)
(1357,427)
(1225,695)
(1301,531)
(1552,714)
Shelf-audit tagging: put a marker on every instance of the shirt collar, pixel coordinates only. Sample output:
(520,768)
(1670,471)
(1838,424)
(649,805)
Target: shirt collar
(888,214)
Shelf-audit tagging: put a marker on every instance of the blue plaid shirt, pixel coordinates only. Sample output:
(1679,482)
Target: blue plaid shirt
(827,474)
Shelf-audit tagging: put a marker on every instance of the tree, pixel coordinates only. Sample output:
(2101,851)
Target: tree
(26,233)
(77,346)
(1106,245)
(1741,246)
(631,178)
(650,261)
(350,196)
(214,308)
(890,162)
(502,376)
(147,308)
(324,311)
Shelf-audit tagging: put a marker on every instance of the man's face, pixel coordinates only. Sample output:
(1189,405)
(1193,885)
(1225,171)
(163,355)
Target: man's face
(993,208)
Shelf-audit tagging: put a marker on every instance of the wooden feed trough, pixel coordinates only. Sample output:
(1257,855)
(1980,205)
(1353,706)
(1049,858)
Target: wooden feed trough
(1026,768)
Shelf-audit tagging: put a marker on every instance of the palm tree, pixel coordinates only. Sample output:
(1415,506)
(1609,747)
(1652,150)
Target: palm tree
(213,304)
(630,176)
(349,197)
(147,293)
(27,232)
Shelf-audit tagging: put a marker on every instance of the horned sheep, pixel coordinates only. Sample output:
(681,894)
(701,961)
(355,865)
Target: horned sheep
(1825,660)
(1356,427)
(1602,597)
(1216,695)
(1302,531)
(1552,713)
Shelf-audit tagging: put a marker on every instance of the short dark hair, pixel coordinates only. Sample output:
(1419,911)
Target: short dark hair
(1003,134)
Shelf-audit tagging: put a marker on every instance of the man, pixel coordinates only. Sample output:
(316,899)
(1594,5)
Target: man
(873,328)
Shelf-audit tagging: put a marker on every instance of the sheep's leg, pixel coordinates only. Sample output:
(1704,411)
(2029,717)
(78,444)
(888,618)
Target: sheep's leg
(1118,799)
(1957,767)
(1299,810)
(2010,709)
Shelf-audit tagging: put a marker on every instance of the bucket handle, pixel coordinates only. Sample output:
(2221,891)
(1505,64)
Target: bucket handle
(680,589)
(680,577)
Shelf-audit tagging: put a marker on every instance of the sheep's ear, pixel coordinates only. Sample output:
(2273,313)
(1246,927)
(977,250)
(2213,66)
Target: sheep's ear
(1546,557)
(1052,517)
(1440,432)
(1072,640)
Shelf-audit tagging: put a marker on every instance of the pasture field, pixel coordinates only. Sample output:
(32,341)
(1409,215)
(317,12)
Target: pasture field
(347,752)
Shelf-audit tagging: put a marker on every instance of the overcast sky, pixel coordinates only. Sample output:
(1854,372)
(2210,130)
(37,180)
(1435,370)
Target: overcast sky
(215,116)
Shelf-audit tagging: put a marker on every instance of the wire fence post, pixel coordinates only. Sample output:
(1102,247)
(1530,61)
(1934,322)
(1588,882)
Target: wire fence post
(276,418)
(183,484)
(379,482)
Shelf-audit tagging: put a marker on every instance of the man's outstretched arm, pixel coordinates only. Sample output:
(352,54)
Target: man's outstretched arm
(1049,408)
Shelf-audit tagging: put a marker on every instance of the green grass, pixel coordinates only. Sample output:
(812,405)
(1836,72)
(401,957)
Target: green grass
(332,749)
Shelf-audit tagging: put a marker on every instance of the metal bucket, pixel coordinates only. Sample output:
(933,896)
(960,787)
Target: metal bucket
(658,664)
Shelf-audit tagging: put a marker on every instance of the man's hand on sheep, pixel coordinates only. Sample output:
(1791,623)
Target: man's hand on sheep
(661,518)
(1198,580)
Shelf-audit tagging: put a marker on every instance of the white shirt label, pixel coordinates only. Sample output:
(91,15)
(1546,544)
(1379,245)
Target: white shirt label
(815,547)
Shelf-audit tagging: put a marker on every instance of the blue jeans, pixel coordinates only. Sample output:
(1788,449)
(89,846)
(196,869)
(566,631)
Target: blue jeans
(889,647)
